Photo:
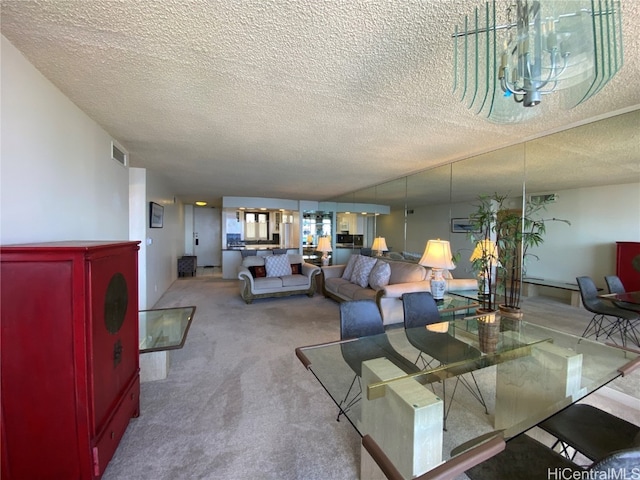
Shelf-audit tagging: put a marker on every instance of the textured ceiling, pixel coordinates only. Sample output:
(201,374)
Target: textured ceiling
(280,98)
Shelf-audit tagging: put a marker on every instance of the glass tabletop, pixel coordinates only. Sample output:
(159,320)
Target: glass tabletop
(523,376)
(627,297)
(164,328)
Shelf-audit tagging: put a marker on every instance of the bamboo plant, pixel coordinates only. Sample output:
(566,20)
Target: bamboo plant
(484,260)
(513,234)
(516,234)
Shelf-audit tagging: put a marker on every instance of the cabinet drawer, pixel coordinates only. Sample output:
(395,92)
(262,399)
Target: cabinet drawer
(107,441)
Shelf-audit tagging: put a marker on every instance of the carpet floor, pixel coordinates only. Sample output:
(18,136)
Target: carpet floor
(238,404)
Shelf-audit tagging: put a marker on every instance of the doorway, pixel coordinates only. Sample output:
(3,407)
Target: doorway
(207,243)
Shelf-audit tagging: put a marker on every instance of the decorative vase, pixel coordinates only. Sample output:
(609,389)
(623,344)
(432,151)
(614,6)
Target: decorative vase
(488,330)
(511,317)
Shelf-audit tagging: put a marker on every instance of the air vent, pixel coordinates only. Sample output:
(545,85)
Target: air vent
(118,154)
(544,199)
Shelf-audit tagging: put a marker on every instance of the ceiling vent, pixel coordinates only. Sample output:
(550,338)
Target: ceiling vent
(118,154)
(544,199)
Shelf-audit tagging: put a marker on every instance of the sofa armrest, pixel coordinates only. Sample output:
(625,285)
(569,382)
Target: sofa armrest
(333,271)
(396,290)
(309,269)
(245,274)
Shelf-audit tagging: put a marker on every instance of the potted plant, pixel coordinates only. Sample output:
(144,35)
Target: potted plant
(512,234)
(515,234)
(484,261)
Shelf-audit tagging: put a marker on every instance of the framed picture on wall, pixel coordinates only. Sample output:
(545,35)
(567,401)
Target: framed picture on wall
(156,215)
(462,225)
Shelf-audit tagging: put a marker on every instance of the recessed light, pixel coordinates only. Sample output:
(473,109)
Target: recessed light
(201,204)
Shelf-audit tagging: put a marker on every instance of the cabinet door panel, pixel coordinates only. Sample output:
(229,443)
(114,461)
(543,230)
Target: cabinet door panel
(114,342)
(33,349)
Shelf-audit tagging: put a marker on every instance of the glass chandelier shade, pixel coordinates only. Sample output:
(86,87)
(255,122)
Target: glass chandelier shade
(506,61)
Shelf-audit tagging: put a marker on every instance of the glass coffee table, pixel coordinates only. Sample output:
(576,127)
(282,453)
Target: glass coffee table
(161,330)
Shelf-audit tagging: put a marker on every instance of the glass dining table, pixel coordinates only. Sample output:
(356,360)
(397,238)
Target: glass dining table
(527,374)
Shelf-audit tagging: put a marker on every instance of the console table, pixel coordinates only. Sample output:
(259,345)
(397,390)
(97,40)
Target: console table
(161,330)
(530,288)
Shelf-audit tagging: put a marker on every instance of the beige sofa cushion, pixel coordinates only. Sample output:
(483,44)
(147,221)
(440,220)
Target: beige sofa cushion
(403,272)
(380,275)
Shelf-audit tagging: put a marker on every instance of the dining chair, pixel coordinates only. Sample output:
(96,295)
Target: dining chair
(525,458)
(615,285)
(420,311)
(591,431)
(618,319)
(450,469)
(358,319)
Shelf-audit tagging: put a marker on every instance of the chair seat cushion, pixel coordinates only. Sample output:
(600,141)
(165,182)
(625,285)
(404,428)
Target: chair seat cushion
(349,289)
(364,294)
(523,454)
(294,280)
(265,283)
(593,432)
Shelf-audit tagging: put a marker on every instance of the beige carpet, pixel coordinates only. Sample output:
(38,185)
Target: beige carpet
(238,404)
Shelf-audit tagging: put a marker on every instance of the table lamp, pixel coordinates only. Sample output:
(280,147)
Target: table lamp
(437,256)
(484,257)
(379,246)
(324,246)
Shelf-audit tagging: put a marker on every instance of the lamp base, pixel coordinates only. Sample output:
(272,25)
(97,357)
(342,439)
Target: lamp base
(325,260)
(438,285)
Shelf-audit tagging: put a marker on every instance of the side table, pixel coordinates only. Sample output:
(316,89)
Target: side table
(161,330)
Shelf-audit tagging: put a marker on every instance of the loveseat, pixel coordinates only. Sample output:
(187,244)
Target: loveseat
(384,281)
(276,276)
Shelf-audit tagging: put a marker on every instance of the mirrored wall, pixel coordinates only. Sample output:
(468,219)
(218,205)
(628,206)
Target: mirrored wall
(591,171)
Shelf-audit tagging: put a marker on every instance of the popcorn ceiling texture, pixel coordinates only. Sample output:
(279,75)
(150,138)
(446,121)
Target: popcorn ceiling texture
(295,99)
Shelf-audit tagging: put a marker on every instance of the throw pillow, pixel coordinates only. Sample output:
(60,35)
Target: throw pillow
(380,275)
(258,271)
(348,270)
(362,269)
(277,265)
(296,268)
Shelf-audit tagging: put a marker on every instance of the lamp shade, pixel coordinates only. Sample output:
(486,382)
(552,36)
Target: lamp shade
(379,245)
(486,249)
(437,254)
(324,244)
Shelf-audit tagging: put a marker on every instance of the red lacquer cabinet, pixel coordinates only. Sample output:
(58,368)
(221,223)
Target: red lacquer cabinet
(70,364)
(628,265)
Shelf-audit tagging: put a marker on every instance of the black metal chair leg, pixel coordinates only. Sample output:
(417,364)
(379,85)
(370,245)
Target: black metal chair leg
(353,401)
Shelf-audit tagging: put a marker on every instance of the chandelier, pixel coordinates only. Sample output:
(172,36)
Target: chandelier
(506,62)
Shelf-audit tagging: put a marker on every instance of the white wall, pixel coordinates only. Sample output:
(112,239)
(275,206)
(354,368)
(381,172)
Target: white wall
(600,216)
(163,245)
(58,181)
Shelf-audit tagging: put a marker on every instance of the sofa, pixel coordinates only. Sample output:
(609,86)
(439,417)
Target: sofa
(384,281)
(276,276)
